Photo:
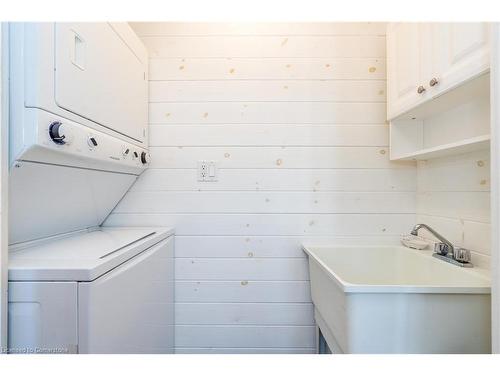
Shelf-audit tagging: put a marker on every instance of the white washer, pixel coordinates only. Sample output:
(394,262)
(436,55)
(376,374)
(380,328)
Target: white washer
(77,142)
(108,290)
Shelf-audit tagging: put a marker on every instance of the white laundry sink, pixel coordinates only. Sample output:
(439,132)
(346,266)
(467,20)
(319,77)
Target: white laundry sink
(390,299)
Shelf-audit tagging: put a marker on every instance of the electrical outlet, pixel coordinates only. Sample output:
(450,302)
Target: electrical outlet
(202,170)
(207,171)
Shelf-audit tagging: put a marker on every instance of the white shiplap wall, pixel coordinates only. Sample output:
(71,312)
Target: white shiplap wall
(454,198)
(294,115)
(453,193)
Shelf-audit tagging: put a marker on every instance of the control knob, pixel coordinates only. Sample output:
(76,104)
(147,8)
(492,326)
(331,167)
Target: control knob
(58,133)
(145,157)
(92,141)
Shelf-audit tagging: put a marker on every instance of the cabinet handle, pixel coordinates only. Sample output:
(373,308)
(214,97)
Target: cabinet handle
(420,89)
(433,82)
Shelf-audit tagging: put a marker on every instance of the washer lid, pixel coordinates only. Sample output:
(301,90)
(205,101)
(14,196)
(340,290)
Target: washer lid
(83,256)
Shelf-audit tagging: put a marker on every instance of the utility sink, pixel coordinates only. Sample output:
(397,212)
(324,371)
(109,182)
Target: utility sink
(391,299)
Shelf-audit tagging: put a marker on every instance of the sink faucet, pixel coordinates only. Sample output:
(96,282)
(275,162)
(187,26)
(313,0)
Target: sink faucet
(445,250)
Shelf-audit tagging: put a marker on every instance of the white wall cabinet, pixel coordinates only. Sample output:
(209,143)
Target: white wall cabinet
(460,51)
(424,60)
(438,92)
(404,63)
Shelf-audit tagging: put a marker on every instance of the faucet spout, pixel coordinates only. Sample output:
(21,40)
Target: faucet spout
(417,227)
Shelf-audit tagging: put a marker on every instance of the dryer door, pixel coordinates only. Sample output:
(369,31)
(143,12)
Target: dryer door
(100,74)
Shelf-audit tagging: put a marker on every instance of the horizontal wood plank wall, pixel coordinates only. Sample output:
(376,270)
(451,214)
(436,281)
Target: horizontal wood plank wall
(294,116)
(454,198)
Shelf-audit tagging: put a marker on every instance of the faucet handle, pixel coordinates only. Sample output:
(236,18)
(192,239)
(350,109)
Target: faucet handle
(441,248)
(462,255)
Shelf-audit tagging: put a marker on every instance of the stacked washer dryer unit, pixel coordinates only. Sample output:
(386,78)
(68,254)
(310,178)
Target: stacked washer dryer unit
(78,141)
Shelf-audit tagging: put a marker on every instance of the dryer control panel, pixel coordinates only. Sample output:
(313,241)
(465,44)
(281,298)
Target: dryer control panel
(56,140)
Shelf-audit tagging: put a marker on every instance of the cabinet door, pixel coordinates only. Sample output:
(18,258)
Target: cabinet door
(404,54)
(460,52)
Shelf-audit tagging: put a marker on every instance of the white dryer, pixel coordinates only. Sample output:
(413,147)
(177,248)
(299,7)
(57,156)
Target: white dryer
(94,73)
(78,124)
(107,290)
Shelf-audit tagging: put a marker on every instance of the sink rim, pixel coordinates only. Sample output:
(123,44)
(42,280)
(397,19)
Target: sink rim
(349,287)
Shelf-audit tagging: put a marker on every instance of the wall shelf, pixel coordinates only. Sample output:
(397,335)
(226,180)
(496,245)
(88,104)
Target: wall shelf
(456,122)
(460,147)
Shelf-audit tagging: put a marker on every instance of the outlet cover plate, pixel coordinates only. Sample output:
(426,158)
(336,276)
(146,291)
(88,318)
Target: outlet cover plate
(207,171)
